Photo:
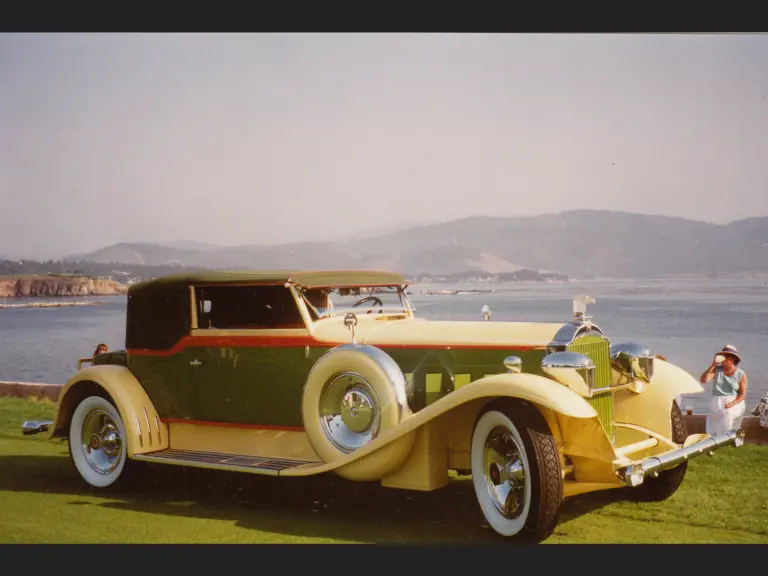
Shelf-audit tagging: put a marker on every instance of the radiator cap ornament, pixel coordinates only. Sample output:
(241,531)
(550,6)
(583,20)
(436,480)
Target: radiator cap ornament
(580,307)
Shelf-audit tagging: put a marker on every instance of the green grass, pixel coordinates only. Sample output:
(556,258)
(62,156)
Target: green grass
(723,500)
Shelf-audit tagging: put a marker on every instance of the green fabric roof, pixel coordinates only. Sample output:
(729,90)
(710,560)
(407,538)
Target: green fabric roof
(319,278)
(307,278)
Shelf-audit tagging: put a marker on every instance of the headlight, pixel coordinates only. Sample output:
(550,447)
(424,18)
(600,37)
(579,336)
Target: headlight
(631,364)
(571,369)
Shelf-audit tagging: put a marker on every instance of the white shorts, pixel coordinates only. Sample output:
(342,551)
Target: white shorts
(720,420)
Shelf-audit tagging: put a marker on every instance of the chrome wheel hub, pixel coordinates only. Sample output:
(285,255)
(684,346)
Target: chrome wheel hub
(349,411)
(101,442)
(357,409)
(505,473)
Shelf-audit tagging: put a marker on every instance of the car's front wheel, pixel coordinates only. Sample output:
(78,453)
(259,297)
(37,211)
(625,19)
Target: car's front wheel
(97,442)
(516,471)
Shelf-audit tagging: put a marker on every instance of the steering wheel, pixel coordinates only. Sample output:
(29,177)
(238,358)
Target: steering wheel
(368,299)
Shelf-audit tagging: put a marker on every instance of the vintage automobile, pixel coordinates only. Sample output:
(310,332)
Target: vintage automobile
(294,373)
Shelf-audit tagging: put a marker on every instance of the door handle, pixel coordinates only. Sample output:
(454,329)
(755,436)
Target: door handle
(195,362)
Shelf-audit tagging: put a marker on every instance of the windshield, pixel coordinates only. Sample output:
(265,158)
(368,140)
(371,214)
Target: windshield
(325,302)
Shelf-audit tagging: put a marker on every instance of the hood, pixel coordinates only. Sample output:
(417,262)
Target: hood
(443,333)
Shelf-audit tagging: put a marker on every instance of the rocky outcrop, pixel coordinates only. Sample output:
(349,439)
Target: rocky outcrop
(54,286)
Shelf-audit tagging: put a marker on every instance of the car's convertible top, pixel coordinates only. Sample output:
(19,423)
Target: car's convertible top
(303,278)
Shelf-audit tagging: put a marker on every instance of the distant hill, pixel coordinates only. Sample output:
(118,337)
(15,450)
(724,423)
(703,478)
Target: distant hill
(581,244)
(145,254)
(122,273)
(189,245)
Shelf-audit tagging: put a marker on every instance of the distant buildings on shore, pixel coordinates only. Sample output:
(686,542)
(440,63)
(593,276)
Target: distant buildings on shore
(521,275)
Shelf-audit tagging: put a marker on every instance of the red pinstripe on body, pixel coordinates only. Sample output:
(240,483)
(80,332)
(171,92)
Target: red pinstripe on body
(299,341)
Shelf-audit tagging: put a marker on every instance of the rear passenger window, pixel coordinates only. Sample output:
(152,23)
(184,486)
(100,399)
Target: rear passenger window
(246,307)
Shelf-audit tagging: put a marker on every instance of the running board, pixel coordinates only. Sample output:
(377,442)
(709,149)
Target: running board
(218,461)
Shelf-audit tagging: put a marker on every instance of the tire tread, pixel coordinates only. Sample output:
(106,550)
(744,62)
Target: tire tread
(544,459)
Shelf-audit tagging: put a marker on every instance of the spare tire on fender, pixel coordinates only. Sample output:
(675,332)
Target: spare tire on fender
(354,394)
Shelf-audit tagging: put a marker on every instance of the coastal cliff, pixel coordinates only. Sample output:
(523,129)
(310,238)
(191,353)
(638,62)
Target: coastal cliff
(54,286)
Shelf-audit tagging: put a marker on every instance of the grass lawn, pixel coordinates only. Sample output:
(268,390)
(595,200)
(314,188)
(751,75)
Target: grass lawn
(723,499)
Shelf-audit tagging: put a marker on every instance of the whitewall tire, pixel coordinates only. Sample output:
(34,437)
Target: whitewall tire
(97,441)
(516,471)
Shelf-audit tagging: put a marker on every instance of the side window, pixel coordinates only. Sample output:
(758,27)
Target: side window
(246,307)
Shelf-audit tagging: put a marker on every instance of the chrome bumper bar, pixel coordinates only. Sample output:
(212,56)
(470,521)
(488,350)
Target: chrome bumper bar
(634,474)
(35,426)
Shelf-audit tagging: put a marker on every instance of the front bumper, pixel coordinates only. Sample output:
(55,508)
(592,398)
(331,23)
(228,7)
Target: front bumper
(634,474)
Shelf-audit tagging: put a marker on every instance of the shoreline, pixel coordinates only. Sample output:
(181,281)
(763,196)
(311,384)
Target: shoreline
(50,304)
(49,286)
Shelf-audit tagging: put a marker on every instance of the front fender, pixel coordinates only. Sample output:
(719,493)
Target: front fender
(145,431)
(533,388)
(651,409)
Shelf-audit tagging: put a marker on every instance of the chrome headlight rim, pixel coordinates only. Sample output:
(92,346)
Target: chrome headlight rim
(565,365)
(633,362)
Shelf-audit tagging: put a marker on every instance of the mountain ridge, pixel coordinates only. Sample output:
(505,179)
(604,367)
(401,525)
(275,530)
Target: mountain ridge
(580,243)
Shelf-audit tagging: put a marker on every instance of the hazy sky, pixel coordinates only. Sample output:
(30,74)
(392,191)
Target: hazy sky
(272,138)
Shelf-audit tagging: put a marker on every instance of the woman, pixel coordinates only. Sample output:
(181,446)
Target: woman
(100,349)
(729,389)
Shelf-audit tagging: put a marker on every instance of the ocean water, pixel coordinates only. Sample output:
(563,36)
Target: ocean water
(686,320)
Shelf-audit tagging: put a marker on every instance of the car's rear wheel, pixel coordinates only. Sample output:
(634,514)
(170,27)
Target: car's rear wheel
(516,471)
(668,481)
(97,442)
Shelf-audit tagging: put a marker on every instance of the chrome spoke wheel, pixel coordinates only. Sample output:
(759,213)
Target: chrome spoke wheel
(349,411)
(101,442)
(505,473)
(98,443)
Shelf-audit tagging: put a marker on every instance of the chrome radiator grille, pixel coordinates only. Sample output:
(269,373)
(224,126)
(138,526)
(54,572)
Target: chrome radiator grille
(599,351)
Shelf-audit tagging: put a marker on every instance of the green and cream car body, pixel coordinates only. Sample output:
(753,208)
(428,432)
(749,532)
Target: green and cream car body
(295,373)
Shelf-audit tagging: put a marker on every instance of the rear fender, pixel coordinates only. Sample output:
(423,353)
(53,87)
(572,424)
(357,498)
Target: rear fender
(144,429)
